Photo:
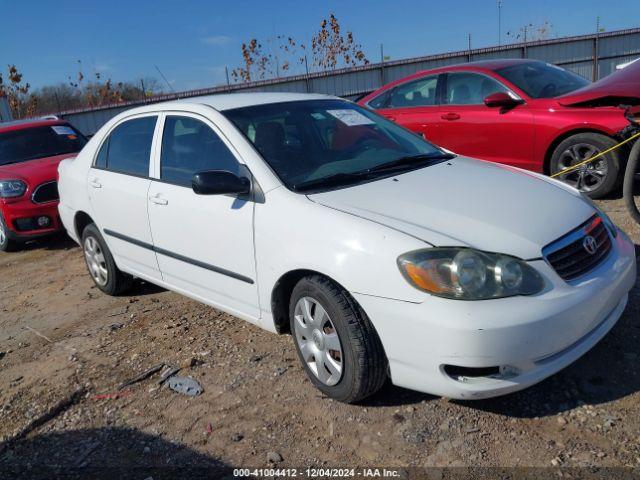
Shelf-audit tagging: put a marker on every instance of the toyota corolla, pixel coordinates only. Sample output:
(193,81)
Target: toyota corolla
(381,254)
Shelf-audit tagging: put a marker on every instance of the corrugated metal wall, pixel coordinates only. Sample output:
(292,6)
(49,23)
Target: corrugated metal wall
(581,55)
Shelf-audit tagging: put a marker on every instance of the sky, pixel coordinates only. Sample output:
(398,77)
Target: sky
(191,41)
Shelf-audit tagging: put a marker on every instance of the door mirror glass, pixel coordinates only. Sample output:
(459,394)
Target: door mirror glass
(220,182)
(502,100)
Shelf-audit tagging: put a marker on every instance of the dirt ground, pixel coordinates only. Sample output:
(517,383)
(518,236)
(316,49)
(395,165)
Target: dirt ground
(63,344)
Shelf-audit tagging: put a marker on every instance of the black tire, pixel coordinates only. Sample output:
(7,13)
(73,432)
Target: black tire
(630,180)
(117,282)
(364,364)
(598,142)
(6,244)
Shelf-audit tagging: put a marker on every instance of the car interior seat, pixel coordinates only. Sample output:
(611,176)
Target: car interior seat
(461,95)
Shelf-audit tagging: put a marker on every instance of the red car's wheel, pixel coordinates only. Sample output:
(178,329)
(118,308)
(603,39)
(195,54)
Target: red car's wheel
(595,179)
(6,244)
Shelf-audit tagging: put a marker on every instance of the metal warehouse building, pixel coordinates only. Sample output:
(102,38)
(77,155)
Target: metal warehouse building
(592,56)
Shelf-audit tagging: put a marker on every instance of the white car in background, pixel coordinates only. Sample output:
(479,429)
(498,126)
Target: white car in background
(383,255)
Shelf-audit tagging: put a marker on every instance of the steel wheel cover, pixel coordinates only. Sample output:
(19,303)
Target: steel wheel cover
(318,341)
(95,261)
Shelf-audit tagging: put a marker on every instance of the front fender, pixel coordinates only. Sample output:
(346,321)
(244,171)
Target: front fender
(294,233)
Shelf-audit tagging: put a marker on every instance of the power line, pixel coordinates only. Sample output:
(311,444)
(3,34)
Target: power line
(165,79)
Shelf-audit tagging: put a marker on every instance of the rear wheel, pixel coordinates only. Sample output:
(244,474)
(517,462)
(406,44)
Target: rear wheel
(336,343)
(595,179)
(6,244)
(102,268)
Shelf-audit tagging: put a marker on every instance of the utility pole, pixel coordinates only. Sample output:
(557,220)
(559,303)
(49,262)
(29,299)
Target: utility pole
(499,22)
(226,73)
(469,55)
(596,52)
(381,64)
(306,78)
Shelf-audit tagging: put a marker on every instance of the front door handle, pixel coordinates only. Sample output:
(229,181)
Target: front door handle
(95,183)
(391,117)
(159,201)
(450,116)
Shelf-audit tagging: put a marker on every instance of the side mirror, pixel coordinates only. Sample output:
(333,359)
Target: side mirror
(502,100)
(220,182)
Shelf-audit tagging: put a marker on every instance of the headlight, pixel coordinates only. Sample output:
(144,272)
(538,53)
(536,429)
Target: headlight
(605,218)
(467,274)
(12,188)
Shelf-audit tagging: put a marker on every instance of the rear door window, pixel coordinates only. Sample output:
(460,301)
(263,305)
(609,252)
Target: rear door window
(128,148)
(417,93)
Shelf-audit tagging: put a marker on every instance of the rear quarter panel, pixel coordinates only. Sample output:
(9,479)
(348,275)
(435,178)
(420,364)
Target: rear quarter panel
(72,186)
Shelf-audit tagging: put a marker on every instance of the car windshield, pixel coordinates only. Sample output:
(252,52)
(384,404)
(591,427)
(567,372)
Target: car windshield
(39,142)
(325,144)
(542,80)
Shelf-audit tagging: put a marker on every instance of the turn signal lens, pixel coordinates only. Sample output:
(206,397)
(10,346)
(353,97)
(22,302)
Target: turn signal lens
(605,218)
(468,274)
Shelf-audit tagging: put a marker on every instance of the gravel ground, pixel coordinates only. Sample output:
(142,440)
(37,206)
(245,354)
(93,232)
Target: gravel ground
(63,344)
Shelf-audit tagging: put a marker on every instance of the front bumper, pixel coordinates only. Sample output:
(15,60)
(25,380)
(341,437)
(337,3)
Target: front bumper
(527,338)
(20,218)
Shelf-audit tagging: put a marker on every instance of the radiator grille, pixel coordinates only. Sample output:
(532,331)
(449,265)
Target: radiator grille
(580,251)
(46,192)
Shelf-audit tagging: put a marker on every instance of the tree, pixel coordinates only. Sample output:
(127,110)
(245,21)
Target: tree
(77,92)
(330,49)
(531,32)
(17,93)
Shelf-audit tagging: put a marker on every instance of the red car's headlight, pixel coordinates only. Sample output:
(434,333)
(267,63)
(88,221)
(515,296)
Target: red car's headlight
(12,188)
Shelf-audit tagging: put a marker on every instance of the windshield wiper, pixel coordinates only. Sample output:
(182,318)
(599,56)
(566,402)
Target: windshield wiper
(340,179)
(411,160)
(331,181)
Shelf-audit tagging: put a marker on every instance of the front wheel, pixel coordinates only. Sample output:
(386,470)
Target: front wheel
(100,263)
(595,179)
(336,343)
(6,244)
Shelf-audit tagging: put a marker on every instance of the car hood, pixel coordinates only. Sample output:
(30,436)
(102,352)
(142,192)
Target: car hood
(465,202)
(41,169)
(621,87)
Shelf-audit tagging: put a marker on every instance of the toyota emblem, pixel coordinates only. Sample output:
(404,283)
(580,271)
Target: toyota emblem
(590,245)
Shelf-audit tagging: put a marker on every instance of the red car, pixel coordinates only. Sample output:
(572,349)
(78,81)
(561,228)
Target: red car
(523,113)
(30,152)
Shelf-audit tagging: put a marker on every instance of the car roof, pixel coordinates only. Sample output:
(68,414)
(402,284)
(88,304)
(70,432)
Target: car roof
(229,101)
(30,123)
(491,65)
(495,64)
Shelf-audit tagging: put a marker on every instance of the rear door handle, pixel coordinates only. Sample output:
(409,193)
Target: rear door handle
(95,183)
(450,116)
(159,201)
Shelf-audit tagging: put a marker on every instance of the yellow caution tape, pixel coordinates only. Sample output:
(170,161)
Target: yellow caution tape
(595,157)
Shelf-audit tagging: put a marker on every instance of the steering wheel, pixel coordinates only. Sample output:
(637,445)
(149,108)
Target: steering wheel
(361,144)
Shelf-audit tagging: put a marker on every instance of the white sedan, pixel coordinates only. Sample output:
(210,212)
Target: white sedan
(383,255)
